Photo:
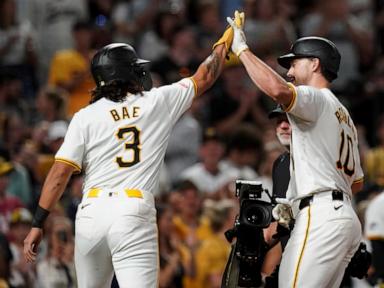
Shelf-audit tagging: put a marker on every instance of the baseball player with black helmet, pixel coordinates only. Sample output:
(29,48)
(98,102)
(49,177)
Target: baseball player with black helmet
(119,142)
(325,165)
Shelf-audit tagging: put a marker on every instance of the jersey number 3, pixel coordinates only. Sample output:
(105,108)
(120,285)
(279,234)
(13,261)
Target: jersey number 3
(346,160)
(133,145)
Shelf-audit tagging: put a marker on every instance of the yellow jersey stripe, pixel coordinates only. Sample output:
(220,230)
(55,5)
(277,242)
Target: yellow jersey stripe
(69,162)
(376,237)
(194,85)
(302,248)
(358,180)
(294,96)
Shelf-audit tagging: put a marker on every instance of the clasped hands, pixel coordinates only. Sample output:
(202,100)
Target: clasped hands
(233,37)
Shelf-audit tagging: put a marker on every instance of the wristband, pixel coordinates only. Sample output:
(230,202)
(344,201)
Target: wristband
(40,215)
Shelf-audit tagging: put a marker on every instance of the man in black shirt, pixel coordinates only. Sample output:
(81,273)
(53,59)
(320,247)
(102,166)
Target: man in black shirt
(280,180)
(280,172)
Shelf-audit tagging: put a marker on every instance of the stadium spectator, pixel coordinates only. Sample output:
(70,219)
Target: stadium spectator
(17,46)
(58,269)
(5,261)
(155,42)
(70,68)
(208,25)
(22,273)
(181,59)
(235,103)
(12,100)
(212,255)
(269,30)
(51,104)
(171,250)
(190,226)
(7,202)
(332,20)
(243,153)
(208,175)
(132,18)
(184,142)
(374,169)
(20,184)
(53,21)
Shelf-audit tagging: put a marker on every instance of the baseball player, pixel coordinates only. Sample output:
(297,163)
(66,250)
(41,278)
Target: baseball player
(325,166)
(119,142)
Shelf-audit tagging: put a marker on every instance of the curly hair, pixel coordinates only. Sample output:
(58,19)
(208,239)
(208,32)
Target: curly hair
(115,91)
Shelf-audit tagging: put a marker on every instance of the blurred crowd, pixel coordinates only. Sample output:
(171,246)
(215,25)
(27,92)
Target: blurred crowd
(45,49)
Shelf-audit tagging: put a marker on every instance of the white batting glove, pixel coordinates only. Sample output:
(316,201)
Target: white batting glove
(239,43)
(282,212)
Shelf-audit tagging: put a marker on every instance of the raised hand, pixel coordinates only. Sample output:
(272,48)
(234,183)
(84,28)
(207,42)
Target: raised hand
(239,43)
(227,36)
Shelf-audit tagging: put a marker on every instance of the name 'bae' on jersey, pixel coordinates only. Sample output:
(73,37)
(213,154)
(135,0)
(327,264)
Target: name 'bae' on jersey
(342,116)
(125,112)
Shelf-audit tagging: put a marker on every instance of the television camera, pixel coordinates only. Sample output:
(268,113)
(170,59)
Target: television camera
(244,264)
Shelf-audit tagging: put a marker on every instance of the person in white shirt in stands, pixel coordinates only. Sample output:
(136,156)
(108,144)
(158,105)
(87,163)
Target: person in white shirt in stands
(208,175)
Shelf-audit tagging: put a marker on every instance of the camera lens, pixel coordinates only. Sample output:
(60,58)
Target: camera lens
(254,215)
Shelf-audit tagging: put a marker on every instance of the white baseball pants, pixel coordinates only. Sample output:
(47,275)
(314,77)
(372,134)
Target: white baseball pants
(326,235)
(116,233)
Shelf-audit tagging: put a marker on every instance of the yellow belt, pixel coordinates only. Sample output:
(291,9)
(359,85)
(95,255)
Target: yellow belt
(132,193)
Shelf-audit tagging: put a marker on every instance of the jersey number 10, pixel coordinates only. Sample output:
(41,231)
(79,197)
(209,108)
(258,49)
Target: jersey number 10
(346,159)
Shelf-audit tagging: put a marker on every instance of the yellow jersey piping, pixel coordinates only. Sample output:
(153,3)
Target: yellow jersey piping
(302,248)
(69,162)
(294,96)
(194,86)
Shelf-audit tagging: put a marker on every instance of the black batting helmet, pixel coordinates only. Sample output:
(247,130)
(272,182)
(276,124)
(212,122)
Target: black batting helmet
(316,47)
(119,62)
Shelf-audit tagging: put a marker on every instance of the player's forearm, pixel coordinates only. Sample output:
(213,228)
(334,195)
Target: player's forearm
(266,79)
(55,184)
(209,70)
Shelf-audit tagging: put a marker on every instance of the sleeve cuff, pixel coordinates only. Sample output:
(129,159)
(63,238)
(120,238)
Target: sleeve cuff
(70,163)
(194,86)
(358,180)
(294,96)
(376,238)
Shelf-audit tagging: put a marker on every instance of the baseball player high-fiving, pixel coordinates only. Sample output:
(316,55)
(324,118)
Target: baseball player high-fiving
(119,142)
(325,166)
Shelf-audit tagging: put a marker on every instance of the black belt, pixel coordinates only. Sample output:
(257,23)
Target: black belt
(336,195)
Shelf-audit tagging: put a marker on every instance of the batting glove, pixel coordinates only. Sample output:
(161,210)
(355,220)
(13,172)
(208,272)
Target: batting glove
(227,36)
(239,41)
(282,212)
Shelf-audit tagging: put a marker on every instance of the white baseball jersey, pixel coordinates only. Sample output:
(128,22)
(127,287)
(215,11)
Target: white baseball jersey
(122,145)
(324,148)
(374,219)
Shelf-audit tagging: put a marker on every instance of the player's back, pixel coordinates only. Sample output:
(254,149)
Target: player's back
(122,144)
